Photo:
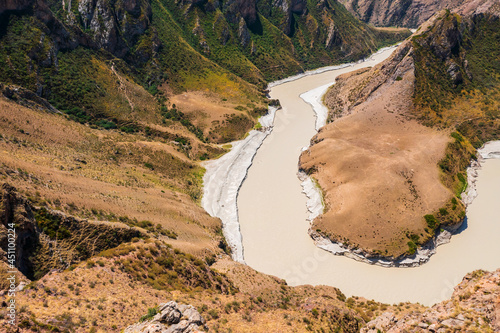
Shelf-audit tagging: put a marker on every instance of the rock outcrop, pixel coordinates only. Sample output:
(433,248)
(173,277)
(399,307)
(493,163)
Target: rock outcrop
(14,5)
(115,26)
(289,8)
(26,97)
(16,211)
(236,9)
(171,318)
(474,307)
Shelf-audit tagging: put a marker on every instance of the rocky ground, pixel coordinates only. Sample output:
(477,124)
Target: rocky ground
(474,307)
(387,13)
(171,318)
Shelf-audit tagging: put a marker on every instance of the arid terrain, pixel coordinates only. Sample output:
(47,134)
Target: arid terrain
(378,170)
(389,165)
(63,165)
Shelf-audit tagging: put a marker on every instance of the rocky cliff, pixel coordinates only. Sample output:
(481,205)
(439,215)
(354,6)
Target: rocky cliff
(404,13)
(113,26)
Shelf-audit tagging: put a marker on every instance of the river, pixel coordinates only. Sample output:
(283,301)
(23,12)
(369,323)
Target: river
(273,217)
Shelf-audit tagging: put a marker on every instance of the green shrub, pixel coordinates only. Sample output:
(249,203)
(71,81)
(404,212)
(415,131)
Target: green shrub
(106,124)
(51,224)
(443,211)
(213,313)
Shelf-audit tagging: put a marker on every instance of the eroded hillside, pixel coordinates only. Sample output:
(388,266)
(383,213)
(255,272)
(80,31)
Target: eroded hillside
(106,108)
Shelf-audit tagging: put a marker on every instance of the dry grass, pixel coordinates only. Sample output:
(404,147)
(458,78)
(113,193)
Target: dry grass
(106,293)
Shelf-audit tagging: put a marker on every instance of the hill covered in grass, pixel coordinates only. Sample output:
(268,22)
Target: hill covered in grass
(106,110)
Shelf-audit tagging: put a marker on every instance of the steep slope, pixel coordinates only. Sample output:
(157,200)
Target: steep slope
(106,74)
(403,13)
(130,178)
(406,131)
(48,239)
(119,286)
(106,107)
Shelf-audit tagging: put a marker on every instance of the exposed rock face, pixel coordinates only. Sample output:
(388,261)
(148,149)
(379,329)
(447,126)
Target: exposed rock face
(289,8)
(474,306)
(406,13)
(172,318)
(333,38)
(220,25)
(113,26)
(447,39)
(243,33)
(26,97)
(15,210)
